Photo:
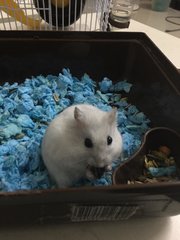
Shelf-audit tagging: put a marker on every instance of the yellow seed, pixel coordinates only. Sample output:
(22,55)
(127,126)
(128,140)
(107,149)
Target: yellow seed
(56,97)
(155,164)
(19,136)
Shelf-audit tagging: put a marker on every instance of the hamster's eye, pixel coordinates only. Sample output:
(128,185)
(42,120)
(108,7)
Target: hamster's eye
(109,140)
(88,143)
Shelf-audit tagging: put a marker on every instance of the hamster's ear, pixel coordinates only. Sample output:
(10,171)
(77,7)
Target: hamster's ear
(78,114)
(112,116)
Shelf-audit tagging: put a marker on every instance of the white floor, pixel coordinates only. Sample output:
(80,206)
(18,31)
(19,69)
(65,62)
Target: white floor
(141,229)
(157,19)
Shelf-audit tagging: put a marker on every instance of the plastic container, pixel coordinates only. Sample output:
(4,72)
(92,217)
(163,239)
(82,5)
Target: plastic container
(160,5)
(155,91)
(122,10)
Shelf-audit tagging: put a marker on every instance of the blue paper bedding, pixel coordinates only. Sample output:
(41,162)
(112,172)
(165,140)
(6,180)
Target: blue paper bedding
(27,108)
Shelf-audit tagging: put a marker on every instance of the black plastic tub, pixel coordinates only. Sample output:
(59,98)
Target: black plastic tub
(156,92)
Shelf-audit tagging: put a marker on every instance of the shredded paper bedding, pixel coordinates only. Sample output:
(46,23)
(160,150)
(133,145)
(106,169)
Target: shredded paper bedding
(27,108)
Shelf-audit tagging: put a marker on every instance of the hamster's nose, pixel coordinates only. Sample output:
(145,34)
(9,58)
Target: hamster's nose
(97,171)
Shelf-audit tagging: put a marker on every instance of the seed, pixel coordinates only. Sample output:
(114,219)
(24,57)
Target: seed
(19,136)
(157,159)
(56,97)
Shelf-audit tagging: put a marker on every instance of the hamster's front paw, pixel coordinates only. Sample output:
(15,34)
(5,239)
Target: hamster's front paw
(89,174)
(94,172)
(108,167)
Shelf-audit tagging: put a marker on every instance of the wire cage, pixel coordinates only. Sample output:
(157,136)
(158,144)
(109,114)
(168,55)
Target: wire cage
(58,15)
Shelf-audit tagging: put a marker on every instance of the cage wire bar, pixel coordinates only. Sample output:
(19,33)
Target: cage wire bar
(57,15)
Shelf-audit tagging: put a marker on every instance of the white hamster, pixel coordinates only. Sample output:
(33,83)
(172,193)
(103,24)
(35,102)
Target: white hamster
(80,137)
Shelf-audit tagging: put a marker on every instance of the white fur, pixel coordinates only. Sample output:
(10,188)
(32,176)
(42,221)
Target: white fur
(63,150)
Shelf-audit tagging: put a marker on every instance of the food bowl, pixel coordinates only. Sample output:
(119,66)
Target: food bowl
(153,139)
